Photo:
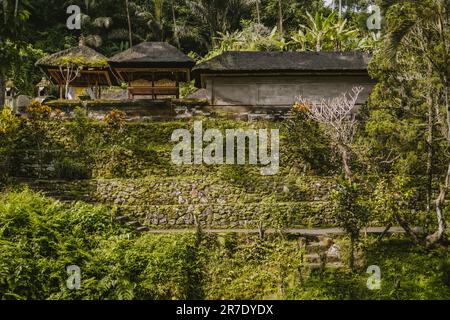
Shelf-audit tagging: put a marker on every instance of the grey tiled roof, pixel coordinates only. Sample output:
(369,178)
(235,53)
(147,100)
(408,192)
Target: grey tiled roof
(259,61)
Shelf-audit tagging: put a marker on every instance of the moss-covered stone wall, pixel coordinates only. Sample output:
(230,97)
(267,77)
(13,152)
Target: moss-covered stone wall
(131,170)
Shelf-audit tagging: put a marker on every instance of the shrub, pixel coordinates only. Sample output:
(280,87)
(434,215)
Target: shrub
(70,169)
(115,119)
(40,237)
(38,111)
(9,125)
(349,212)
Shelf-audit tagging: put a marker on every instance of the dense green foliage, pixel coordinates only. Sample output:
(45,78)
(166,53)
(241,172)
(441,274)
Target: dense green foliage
(408,127)
(115,148)
(203,27)
(399,160)
(40,237)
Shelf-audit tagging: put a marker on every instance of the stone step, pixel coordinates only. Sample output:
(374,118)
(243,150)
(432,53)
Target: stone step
(316,256)
(333,258)
(133,223)
(331,265)
(67,196)
(334,265)
(314,266)
(326,241)
(312,258)
(315,247)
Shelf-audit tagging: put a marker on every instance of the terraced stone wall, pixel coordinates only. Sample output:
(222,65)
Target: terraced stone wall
(134,174)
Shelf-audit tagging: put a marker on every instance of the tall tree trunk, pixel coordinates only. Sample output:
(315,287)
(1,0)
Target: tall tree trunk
(345,157)
(2,91)
(175,27)
(280,17)
(258,13)
(16,8)
(161,21)
(430,157)
(5,12)
(438,236)
(130,35)
(351,256)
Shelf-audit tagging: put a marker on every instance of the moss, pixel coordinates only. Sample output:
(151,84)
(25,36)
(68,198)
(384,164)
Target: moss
(130,166)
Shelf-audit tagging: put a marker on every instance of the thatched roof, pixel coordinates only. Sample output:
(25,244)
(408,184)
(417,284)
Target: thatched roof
(95,70)
(90,56)
(262,61)
(152,54)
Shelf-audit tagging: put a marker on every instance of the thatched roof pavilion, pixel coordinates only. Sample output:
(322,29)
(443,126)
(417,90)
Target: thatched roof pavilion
(88,68)
(152,68)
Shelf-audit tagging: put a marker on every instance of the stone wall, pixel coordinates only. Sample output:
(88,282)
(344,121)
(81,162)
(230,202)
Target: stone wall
(280,91)
(186,201)
(135,176)
(150,110)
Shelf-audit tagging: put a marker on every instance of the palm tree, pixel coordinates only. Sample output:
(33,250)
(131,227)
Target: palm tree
(340,9)
(152,13)
(429,20)
(219,16)
(93,26)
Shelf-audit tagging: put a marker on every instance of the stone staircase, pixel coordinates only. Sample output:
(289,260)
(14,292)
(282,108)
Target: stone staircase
(321,253)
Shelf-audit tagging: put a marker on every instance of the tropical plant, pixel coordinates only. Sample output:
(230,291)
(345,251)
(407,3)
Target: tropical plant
(350,213)
(13,15)
(419,32)
(394,202)
(219,16)
(326,33)
(9,126)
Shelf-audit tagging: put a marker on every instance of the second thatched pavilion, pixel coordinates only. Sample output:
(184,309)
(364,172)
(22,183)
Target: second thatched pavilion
(152,69)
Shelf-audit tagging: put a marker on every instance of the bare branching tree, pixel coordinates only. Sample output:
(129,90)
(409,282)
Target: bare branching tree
(69,73)
(339,118)
(69,69)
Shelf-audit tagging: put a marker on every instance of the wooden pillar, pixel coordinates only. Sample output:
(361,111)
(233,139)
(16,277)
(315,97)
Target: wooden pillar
(188,75)
(128,89)
(96,89)
(153,86)
(178,85)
